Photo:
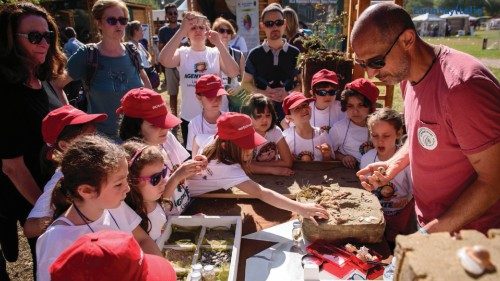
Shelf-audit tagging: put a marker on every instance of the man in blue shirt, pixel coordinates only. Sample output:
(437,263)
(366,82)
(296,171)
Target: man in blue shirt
(73,44)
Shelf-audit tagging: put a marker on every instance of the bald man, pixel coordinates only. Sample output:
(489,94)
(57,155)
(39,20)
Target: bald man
(452,114)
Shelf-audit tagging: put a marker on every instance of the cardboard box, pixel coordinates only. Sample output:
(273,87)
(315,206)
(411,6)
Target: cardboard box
(207,223)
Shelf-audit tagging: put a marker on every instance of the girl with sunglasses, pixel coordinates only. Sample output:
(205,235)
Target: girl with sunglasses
(117,70)
(325,109)
(149,185)
(196,28)
(145,117)
(89,198)
(350,136)
(30,57)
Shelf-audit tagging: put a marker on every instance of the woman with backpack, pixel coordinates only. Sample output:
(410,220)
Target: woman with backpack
(109,68)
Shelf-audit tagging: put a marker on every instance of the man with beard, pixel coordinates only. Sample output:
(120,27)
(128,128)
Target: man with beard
(171,74)
(271,68)
(452,108)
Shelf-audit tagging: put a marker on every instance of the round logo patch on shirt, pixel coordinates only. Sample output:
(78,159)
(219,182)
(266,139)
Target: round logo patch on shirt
(427,138)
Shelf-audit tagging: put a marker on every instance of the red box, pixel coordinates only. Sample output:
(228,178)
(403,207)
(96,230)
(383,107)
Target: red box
(344,264)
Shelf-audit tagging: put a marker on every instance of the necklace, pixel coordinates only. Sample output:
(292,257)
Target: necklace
(295,143)
(314,115)
(87,220)
(428,69)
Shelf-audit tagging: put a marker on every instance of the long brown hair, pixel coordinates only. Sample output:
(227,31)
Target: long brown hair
(146,155)
(14,65)
(88,160)
(226,152)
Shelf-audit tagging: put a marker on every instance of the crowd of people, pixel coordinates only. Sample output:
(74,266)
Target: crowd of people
(78,178)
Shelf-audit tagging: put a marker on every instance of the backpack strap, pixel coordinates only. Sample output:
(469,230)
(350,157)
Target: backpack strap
(134,54)
(91,63)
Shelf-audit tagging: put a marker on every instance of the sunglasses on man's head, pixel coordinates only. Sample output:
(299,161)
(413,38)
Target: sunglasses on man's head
(270,23)
(378,62)
(155,179)
(323,93)
(114,21)
(35,37)
(225,30)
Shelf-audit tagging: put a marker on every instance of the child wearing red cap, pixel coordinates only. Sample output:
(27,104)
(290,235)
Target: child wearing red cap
(145,116)
(89,198)
(228,155)
(350,136)
(325,109)
(109,255)
(307,143)
(149,185)
(59,128)
(209,91)
(396,199)
(274,156)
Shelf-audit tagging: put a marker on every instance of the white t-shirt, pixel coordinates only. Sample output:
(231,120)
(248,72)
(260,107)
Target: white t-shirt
(157,219)
(144,55)
(193,65)
(175,154)
(269,150)
(217,176)
(324,119)
(42,205)
(239,43)
(58,237)
(199,126)
(348,137)
(299,146)
(399,192)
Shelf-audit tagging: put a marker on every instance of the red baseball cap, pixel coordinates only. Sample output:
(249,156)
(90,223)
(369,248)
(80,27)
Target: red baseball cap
(365,87)
(293,100)
(325,75)
(55,122)
(109,255)
(147,104)
(238,128)
(210,86)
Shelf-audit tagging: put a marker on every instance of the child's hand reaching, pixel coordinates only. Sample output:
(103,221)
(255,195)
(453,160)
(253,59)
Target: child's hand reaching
(192,167)
(310,211)
(349,161)
(326,151)
(281,171)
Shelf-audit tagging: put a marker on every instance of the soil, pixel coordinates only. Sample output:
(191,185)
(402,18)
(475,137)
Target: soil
(22,269)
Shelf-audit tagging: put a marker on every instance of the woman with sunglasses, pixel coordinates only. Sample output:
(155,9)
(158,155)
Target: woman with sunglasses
(30,55)
(146,118)
(226,33)
(115,73)
(207,60)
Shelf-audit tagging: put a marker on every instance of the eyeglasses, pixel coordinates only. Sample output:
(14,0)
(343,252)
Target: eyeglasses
(378,62)
(155,179)
(225,30)
(270,23)
(323,93)
(35,37)
(114,21)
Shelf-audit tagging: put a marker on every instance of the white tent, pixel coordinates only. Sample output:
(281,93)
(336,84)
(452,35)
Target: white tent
(458,22)
(430,25)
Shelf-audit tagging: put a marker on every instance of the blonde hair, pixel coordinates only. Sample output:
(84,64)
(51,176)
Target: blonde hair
(292,22)
(101,5)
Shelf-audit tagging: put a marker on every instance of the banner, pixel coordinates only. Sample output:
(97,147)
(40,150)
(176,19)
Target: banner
(247,17)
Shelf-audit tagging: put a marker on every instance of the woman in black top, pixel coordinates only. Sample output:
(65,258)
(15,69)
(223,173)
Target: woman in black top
(29,54)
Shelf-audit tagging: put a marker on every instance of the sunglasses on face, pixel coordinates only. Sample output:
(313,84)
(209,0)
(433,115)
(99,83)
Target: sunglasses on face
(323,93)
(378,62)
(35,37)
(225,30)
(114,21)
(270,23)
(155,179)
